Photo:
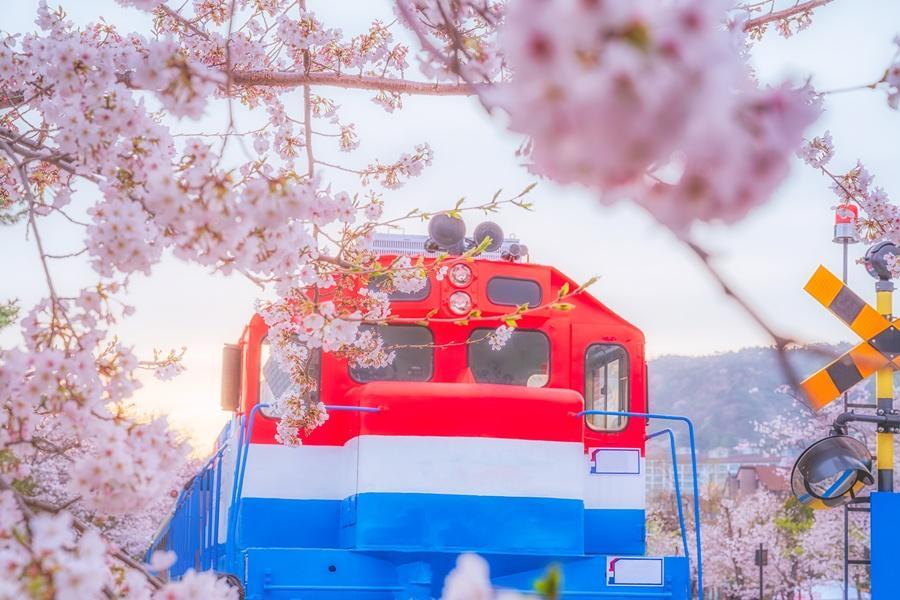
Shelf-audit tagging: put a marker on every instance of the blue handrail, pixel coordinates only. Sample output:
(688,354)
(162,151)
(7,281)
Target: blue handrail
(211,531)
(677,486)
(241,461)
(362,409)
(690,426)
(238,483)
(215,547)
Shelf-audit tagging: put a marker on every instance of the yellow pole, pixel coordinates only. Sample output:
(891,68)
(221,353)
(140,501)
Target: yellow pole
(884,397)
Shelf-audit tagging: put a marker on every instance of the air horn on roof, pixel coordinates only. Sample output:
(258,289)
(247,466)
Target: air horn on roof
(448,234)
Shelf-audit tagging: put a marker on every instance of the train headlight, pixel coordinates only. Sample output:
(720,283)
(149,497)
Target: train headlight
(831,472)
(460,275)
(460,303)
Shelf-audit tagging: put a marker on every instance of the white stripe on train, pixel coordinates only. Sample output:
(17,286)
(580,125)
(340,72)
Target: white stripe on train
(438,465)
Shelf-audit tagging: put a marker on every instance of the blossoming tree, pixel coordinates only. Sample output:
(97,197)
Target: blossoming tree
(648,100)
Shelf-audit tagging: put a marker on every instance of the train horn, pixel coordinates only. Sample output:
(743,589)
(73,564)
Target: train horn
(446,232)
(489,229)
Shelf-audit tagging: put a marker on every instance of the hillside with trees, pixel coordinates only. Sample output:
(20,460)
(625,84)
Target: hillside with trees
(725,394)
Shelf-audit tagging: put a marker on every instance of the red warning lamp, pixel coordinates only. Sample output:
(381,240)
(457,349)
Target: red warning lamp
(845,216)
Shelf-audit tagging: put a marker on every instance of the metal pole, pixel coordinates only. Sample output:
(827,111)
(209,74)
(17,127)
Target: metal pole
(846,552)
(760,561)
(884,397)
(844,244)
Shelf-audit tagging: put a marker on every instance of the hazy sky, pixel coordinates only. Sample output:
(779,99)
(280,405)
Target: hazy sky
(645,275)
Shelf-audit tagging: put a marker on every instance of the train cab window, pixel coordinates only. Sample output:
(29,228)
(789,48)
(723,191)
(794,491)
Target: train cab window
(523,360)
(606,385)
(413,348)
(275,381)
(379,283)
(509,291)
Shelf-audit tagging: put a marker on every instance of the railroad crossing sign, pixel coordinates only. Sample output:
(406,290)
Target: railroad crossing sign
(879,349)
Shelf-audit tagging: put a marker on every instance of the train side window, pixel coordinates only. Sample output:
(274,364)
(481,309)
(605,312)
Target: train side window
(523,360)
(413,349)
(606,385)
(509,291)
(275,381)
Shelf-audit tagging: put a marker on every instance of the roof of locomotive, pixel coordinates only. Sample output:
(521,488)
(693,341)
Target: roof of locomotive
(414,245)
(587,306)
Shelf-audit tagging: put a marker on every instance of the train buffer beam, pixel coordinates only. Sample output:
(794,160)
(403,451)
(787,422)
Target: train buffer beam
(311,574)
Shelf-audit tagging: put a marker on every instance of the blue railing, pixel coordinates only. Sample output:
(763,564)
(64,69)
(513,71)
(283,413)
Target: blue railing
(209,550)
(237,487)
(696,485)
(207,505)
(237,484)
(678,503)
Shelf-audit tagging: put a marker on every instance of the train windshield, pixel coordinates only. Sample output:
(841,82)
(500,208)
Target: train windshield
(413,348)
(523,360)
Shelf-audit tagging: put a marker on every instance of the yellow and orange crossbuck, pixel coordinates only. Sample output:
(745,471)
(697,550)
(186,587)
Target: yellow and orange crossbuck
(879,349)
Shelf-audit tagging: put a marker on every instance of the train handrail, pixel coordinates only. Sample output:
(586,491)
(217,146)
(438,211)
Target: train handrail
(243,450)
(696,486)
(217,511)
(214,463)
(240,462)
(671,435)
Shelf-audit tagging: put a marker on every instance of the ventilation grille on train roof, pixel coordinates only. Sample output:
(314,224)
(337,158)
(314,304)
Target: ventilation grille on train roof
(414,245)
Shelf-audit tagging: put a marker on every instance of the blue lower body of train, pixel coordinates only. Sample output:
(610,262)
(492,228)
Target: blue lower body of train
(404,545)
(237,521)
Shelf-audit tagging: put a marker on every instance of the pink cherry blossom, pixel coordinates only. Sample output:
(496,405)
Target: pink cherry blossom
(651,102)
(645,99)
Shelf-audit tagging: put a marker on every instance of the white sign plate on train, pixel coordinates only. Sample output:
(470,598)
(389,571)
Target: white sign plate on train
(631,570)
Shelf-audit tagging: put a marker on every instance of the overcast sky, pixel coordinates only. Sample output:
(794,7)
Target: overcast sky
(645,275)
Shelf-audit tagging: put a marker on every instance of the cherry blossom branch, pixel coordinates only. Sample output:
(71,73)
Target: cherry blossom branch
(307,110)
(359,82)
(558,304)
(55,305)
(855,88)
(28,506)
(271,78)
(34,151)
(177,16)
(778,15)
(781,343)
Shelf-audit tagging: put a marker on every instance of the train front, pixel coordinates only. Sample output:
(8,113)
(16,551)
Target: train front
(464,443)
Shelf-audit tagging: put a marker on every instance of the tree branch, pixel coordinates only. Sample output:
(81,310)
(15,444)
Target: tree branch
(269,78)
(778,15)
(360,82)
(781,343)
(307,111)
(273,78)
(188,24)
(27,504)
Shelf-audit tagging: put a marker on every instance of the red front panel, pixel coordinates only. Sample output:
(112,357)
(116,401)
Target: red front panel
(472,407)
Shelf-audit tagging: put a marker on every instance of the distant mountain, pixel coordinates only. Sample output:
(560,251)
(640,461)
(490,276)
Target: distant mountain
(725,393)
